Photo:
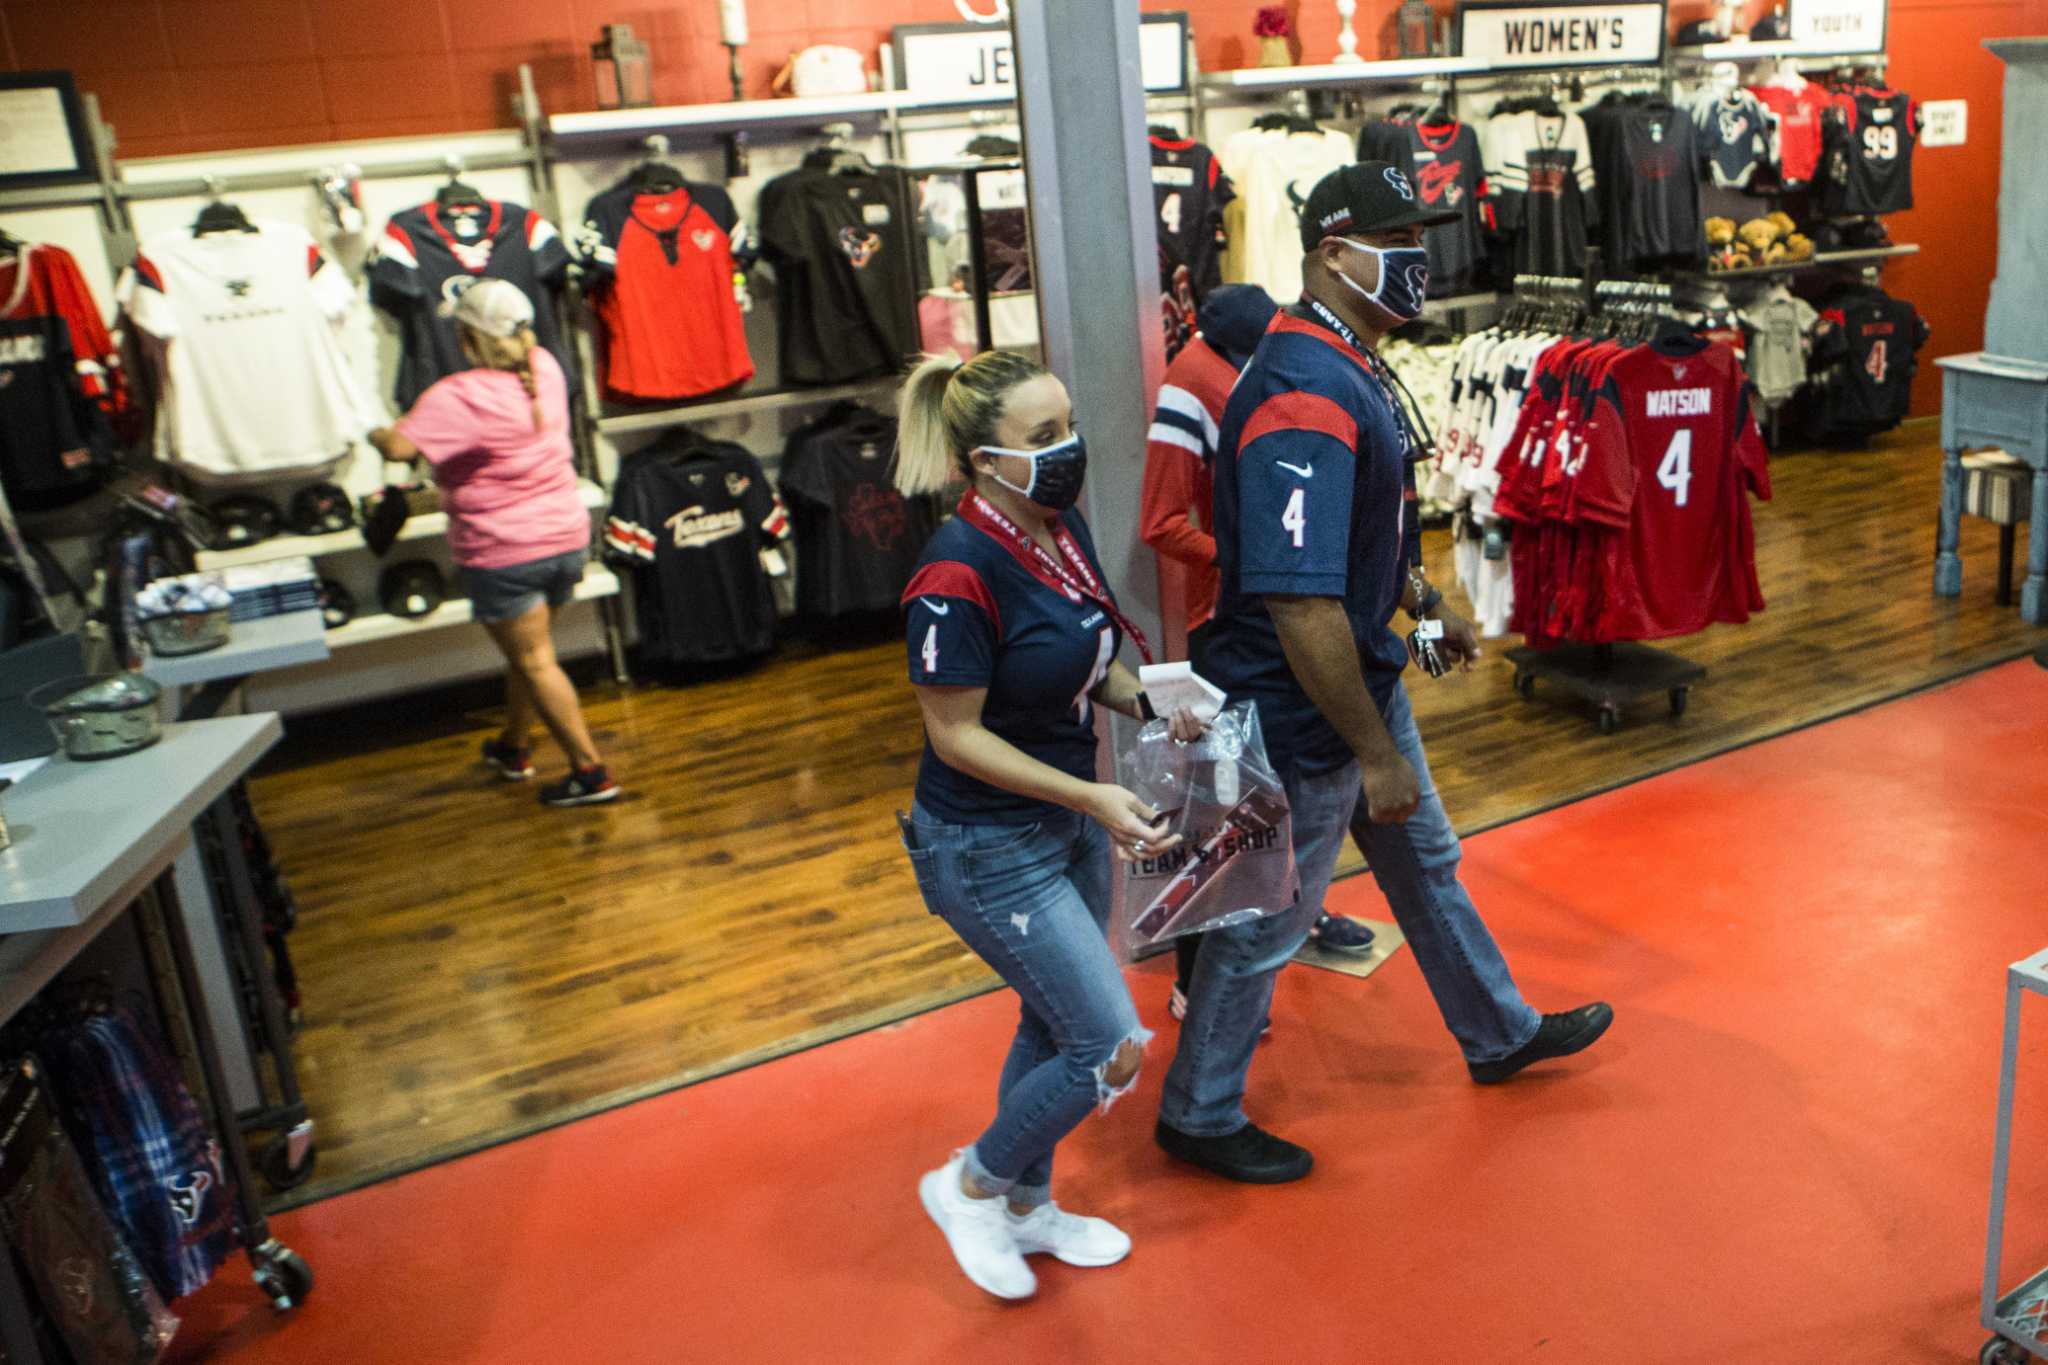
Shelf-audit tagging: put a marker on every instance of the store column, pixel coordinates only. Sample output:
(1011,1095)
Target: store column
(1081,98)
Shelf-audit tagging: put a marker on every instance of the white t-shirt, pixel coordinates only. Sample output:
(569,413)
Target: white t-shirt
(1274,172)
(258,383)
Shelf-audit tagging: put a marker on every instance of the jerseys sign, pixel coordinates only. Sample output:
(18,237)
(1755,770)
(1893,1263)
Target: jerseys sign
(1838,25)
(974,61)
(1561,35)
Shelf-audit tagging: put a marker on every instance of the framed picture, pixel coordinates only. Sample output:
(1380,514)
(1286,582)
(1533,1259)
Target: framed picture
(43,137)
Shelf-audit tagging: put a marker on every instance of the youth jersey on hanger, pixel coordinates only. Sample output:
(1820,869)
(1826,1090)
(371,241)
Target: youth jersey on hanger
(1189,192)
(1865,354)
(857,538)
(1540,168)
(42,280)
(1799,110)
(690,518)
(1737,136)
(53,440)
(847,263)
(661,268)
(1870,136)
(257,386)
(429,256)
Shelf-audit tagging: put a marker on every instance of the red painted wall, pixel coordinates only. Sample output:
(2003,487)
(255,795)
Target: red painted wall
(201,75)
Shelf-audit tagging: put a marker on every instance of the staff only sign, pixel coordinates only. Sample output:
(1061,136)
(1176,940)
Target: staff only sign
(1511,35)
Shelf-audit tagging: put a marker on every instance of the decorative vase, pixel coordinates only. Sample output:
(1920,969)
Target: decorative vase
(1273,52)
(1347,36)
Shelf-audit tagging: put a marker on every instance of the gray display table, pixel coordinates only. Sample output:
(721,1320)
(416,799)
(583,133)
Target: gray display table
(93,841)
(299,637)
(1994,400)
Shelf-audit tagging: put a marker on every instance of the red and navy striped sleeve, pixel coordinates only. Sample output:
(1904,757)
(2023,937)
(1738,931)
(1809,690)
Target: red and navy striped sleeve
(951,626)
(1296,460)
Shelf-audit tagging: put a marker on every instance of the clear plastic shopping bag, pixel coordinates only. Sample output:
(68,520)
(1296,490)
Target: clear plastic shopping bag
(1235,860)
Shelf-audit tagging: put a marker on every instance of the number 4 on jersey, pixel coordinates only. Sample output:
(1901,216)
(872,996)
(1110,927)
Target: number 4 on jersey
(1295,518)
(1675,473)
(931,650)
(1875,365)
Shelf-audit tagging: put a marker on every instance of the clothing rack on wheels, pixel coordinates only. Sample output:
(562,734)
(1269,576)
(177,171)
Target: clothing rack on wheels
(1610,675)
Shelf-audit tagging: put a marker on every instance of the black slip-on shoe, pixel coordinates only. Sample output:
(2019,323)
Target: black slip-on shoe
(1559,1035)
(1251,1154)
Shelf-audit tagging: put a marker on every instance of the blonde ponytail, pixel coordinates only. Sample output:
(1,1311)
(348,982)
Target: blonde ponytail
(513,354)
(948,409)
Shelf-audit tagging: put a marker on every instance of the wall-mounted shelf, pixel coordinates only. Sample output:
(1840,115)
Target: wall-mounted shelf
(1253,79)
(1742,50)
(1816,262)
(770,401)
(424,527)
(598,582)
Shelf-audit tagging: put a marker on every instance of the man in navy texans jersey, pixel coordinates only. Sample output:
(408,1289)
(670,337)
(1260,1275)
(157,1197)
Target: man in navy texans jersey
(1315,547)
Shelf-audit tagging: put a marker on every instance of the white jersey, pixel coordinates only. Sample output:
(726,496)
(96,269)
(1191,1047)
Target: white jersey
(1274,172)
(257,383)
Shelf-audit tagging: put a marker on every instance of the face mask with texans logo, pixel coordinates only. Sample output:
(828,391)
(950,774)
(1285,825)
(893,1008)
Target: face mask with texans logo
(1404,278)
(1056,472)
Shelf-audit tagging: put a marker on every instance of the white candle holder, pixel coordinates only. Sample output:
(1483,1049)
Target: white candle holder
(1347,39)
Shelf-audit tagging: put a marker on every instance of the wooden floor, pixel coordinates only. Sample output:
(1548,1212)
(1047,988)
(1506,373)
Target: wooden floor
(475,966)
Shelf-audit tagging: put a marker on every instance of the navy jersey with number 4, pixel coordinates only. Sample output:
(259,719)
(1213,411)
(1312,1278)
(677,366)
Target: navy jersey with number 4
(1311,476)
(976,617)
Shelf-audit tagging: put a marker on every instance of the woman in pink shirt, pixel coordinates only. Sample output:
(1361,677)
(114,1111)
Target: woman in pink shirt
(497,437)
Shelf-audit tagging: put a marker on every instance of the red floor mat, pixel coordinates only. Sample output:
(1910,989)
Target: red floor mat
(1780,1154)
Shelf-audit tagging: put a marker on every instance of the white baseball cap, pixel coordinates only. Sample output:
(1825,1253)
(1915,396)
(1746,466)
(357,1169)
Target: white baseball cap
(497,308)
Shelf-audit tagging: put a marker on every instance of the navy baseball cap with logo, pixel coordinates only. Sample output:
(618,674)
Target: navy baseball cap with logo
(1371,196)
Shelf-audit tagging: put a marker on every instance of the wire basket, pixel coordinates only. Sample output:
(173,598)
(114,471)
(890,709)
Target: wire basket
(187,632)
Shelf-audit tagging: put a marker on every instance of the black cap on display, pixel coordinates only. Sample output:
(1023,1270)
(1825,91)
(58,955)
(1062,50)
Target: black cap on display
(1698,33)
(320,509)
(411,588)
(337,604)
(1372,196)
(1769,28)
(244,519)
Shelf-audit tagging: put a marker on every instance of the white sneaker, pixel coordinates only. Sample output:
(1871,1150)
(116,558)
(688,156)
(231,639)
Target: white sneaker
(978,1230)
(1069,1236)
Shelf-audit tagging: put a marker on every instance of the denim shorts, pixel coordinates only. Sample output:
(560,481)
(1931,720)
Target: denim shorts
(509,593)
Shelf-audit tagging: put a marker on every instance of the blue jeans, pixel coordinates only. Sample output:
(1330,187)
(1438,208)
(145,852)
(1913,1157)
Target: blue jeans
(1416,866)
(1033,902)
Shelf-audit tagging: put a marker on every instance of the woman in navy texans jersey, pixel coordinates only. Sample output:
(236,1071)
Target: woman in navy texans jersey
(1013,637)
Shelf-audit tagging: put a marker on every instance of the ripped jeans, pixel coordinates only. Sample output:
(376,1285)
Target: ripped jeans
(1033,902)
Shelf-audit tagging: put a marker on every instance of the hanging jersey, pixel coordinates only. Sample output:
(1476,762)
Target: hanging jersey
(44,281)
(974,616)
(1646,159)
(1275,171)
(1670,458)
(1444,163)
(430,256)
(689,518)
(857,538)
(1736,134)
(1865,353)
(53,440)
(661,269)
(1189,192)
(258,386)
(1311,479)
(1777,325)
(1870,136)
(846,264)
(1798,112)
(1541,171)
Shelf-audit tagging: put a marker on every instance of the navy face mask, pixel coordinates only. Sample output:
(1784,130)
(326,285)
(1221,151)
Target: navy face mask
(1056,472)
(1404,278)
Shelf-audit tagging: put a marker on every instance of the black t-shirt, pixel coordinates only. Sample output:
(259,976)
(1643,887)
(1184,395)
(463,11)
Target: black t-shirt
(1867,152)
(690,518)
(1646,159)
(430,255)
(53,440)
(857,538)
(846,261)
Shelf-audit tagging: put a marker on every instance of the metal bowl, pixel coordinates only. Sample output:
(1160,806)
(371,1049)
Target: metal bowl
(187,632)
(102,715)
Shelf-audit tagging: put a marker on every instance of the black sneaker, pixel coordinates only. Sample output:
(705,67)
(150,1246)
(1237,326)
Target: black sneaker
(1250,1155)
(1559,1035)
(1341,934)
(582,787)
(512,764)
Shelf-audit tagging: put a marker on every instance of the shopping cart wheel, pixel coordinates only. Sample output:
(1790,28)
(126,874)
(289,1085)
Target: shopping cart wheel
(278,1170)
(1999,1351)
(282,1275)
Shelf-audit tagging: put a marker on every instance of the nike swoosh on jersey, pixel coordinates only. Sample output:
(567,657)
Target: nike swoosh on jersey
(1307,471)
(937,609)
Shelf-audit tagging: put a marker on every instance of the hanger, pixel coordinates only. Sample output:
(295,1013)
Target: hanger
(1163,130)
(10,245)
(457,195)
(655,175)
(218,215)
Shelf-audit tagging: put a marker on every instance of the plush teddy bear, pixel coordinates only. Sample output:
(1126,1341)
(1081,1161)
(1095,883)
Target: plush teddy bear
(1775,254)
(1720,231)
(1799,247)
(1786,227)
(1758,234)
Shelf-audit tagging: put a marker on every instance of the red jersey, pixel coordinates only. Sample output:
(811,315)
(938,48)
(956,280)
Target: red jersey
(1671,451)
(44,281)
(1177,517)
(662,268)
